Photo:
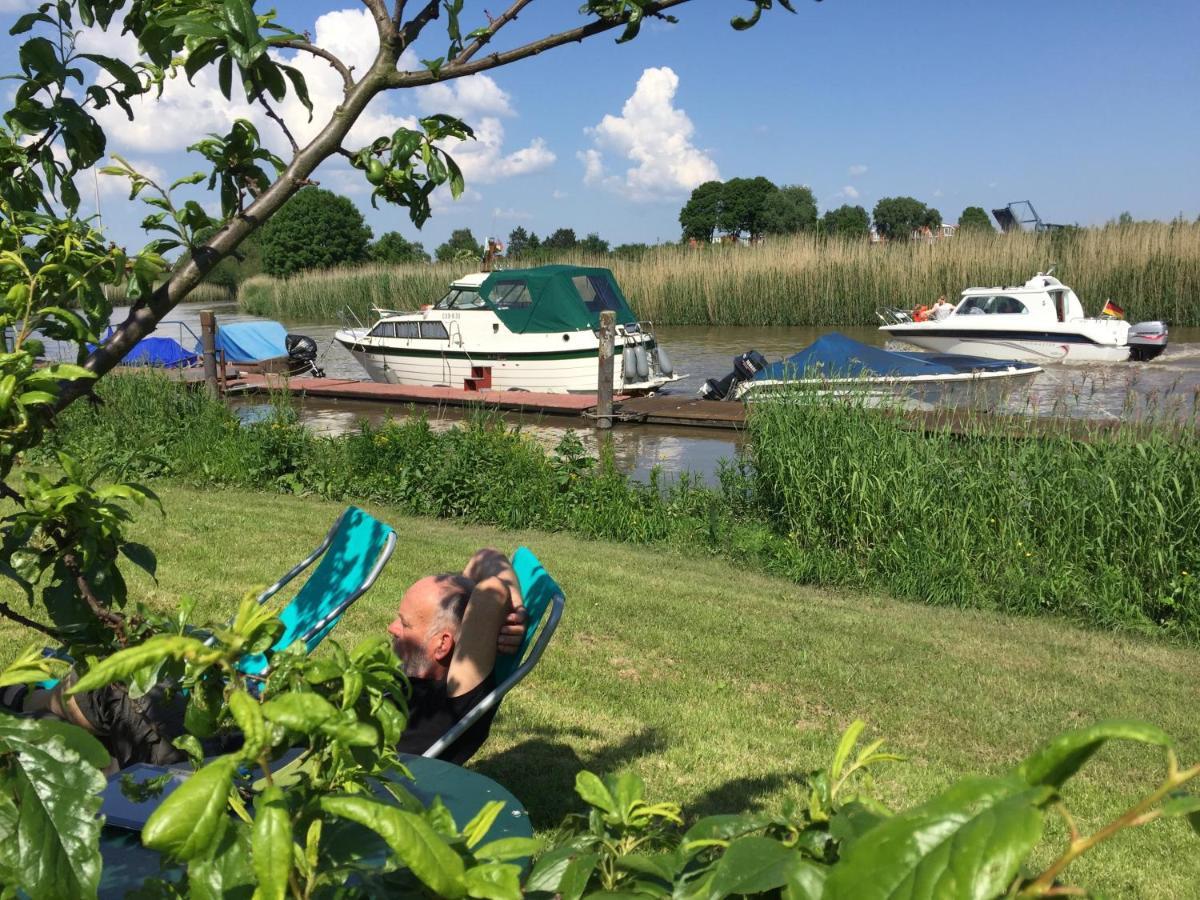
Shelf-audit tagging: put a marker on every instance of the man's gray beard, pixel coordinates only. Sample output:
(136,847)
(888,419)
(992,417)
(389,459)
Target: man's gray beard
(416,664)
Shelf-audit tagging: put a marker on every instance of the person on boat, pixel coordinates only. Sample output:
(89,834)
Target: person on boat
(941,309)
(921,313)
(448,633)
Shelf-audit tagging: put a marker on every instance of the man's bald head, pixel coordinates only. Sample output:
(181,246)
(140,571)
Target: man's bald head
(426,626)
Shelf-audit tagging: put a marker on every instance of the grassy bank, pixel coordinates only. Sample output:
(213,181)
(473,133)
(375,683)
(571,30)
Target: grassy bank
(1152,270)
(1103,532)
(720,687)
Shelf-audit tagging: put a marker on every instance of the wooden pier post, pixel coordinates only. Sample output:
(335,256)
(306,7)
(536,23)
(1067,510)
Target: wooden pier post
(208,341)
(604,384)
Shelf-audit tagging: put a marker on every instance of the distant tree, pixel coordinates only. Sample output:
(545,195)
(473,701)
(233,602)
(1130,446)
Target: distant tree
(699,215)
(743,201)
(315,229)
(593,244)
(561,239)
(245,262)
(535,242)
(461,247)
(846,221)
(393,247)
(1125,219)
(790,210)
(896,218)
(518,243)
(975,218)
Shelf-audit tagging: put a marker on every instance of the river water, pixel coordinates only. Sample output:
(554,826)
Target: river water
(1169,385)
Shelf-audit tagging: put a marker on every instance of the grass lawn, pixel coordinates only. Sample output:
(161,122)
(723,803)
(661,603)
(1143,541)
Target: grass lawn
(720,687)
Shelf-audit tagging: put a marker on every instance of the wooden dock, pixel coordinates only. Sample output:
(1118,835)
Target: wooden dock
(678,409)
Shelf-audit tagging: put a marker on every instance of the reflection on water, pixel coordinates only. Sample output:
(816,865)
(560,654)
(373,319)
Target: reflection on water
(1167,386)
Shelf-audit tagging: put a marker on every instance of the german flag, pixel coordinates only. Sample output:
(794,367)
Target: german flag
(1112,311)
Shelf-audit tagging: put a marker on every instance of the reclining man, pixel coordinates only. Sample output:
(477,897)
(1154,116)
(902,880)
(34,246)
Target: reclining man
(448,632)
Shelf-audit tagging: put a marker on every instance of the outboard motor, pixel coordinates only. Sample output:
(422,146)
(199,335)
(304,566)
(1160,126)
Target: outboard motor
(302,355)
(1147,340)
(745,367)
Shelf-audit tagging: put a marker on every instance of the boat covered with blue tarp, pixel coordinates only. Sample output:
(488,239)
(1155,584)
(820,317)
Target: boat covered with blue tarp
(250,342)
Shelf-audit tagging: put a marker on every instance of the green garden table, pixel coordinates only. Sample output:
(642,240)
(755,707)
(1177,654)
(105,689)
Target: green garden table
(127,863)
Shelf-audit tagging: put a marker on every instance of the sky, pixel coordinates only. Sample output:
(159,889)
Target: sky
(1085,107)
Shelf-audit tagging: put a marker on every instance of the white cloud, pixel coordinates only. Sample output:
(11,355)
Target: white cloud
(467,98)
(15,6)
(484,161)
(857,169)
(509,213)
(653,135)
(938,193)
(559,195)
(850,192)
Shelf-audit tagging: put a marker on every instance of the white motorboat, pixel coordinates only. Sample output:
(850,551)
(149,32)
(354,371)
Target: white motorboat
(518,329)
(1041,320)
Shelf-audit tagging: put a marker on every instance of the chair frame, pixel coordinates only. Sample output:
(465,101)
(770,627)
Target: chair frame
(493,697)
(384,555)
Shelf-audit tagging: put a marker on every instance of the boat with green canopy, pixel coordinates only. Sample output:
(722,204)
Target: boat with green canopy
(531,329)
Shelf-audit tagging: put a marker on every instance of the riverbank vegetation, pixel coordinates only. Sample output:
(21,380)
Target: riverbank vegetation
(1152,270)
(1101,531)
(722,688)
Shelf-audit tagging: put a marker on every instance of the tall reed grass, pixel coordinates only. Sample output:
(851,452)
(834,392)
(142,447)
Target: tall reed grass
(1152,270)
(201,293)
(1103,531)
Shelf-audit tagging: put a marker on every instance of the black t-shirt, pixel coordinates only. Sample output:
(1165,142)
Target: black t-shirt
(431,714)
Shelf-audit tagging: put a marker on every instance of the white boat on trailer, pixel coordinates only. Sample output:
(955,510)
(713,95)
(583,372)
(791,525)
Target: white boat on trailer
(1041,320)
(519,330)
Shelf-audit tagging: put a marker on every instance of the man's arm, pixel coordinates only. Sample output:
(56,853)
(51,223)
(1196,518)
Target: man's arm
(487,563)
(495,603)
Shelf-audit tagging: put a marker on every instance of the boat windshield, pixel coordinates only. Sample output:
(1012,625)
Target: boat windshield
(461,298)
(992,306)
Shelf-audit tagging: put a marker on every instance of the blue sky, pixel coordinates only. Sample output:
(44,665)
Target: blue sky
(1086,108)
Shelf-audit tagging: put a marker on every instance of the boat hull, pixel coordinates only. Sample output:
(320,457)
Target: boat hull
(550,373)
(1038,347)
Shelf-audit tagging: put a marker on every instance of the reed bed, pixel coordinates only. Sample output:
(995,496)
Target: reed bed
(1104,531)
(1152,270)
(201,293)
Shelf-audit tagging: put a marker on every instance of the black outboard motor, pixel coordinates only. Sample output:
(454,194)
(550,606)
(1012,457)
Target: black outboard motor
(1147,340)
(745,367)
(302,355)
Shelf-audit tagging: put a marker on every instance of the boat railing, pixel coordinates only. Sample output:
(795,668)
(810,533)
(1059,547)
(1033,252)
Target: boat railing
(893,315)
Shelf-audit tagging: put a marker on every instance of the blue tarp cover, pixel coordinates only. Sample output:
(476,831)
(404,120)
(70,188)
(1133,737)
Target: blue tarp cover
(156,351)
(837,356)
(250,341)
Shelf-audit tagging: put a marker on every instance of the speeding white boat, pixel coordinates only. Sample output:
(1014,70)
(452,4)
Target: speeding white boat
(518,329)
(1041,320)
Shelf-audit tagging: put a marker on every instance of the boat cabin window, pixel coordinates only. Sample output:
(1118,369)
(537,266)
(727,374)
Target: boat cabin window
(992,306)
(406,330)
(597,294)
(434,330)
(461,298)
(384,329)
(510,294)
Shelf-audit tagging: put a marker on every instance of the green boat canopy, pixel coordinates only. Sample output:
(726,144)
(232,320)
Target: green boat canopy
(554,298)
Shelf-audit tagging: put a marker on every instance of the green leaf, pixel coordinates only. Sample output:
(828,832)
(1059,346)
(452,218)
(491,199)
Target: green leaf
(121,665)
(141,556)
(417,845)
(508,849)
(189,821)
(55,846)
(271,844)
(476,830)
(726,827)
(664,866)
(550,873)
(300,712)
(1186,805)
(494,881)
(968,842)
(594,793)
(845,746)
(1056,761)
(754,865)
(806,882)
(247,712)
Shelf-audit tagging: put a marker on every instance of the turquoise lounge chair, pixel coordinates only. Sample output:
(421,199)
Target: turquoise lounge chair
(540,593)
(352,556)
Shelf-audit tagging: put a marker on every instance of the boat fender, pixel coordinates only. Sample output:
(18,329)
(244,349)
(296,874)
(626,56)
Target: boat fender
(642,362)
(629,364)
(664,362)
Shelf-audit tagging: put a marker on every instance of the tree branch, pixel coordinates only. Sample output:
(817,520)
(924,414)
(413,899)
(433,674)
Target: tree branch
(279,120)
(398,14)
(494,26)
(412,29)
(113,620)
(334,62)
(454,70)
(9,613)
(383,20)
